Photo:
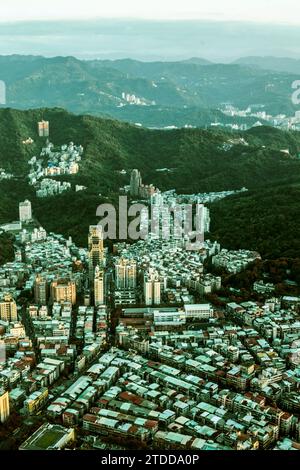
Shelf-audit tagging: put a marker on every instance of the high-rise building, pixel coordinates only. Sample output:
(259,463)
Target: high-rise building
(95,249)
(152,288)
(156,292)
(99,286)
(125,274)
(135,182)
(8,309)
(203,218)
(25,212)
(63,290)
(40,290)
(43,128)
(148,292)
(206,221)
(4,405)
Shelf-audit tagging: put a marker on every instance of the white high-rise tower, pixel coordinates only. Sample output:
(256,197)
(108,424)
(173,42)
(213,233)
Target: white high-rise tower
(25,211)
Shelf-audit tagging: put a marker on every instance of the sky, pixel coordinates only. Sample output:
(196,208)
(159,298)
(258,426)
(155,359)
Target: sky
(269,11)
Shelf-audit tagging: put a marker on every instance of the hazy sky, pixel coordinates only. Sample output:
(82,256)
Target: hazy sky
(276,11)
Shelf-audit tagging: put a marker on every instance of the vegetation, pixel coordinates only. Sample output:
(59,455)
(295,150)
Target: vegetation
(6,248)
(191,89)
(70,214)
(264,219)
(284,273)
(196,157)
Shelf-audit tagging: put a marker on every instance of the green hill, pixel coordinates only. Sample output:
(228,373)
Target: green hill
(197,157)
(266,220)
(198,160)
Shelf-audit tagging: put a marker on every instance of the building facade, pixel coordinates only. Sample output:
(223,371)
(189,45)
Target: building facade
(25,211)
(40,290)
(63,290)
(8,309)
(135,182)
(96,254)
(4,406)
(125,274)
(99,286)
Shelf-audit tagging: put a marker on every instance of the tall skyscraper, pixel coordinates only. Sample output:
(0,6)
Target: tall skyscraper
(25,212)
(148,292)
(203,218)
(135,182)
(206,219)
(4,405)
(152,288)
(40,290)
(99,286)
(125,274)
(95,249)
(43,128)
(8,309)
(63,290)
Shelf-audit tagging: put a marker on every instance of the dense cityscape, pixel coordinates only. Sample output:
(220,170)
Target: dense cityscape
(136,345)
(149,233)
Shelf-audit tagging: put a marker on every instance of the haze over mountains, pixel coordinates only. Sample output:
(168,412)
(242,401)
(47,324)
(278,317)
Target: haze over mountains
(181,73)
(277,64)
(150,40)
(191,92)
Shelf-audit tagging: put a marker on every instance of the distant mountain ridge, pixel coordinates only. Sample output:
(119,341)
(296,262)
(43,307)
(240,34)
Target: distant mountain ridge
(277,64)
(154,94)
